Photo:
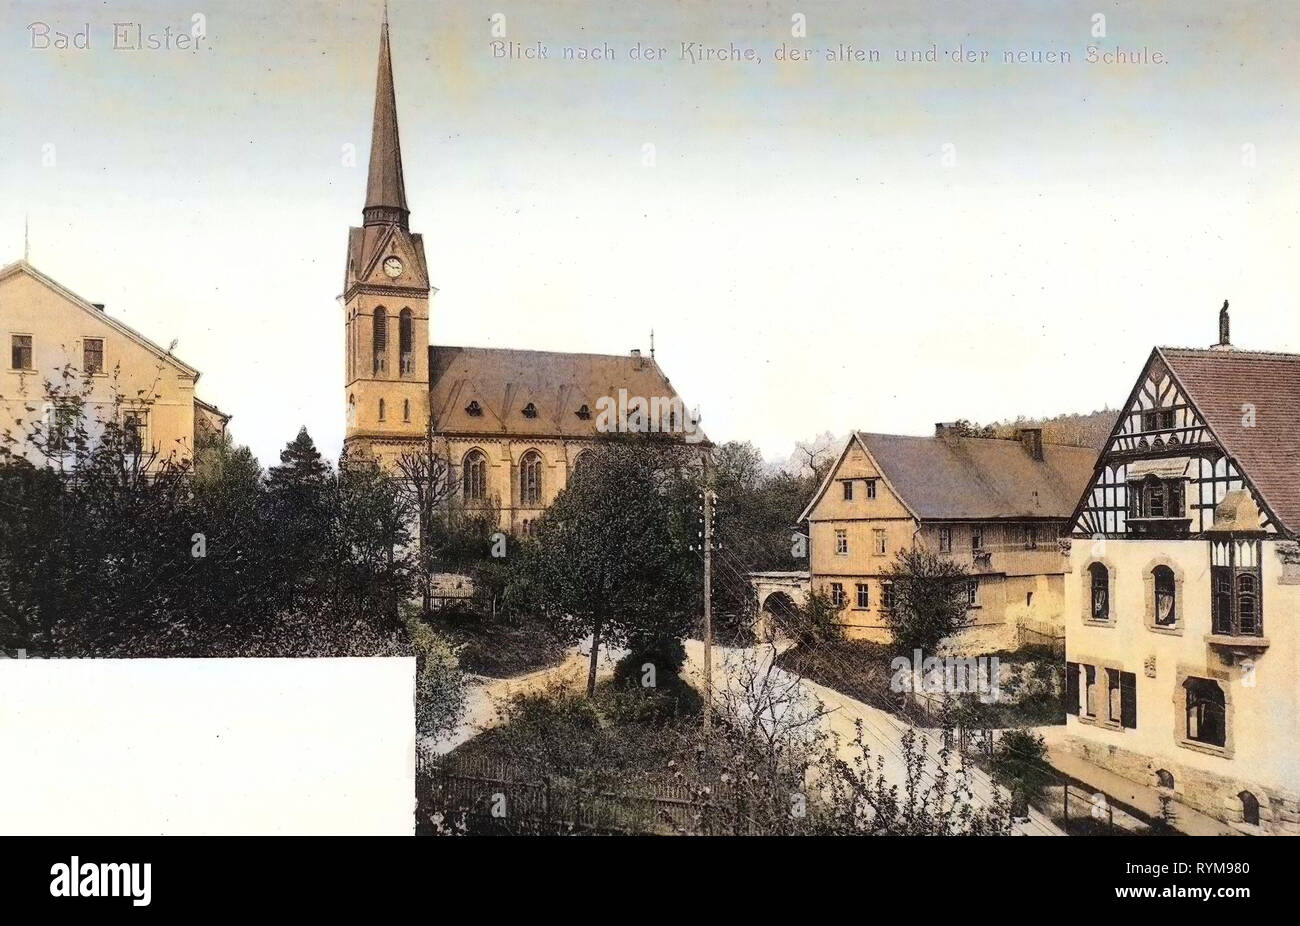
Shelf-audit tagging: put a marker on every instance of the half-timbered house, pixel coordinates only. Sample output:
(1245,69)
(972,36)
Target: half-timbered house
(1184,587)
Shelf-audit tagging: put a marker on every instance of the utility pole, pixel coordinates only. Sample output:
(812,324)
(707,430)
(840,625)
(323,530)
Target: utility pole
(708,596)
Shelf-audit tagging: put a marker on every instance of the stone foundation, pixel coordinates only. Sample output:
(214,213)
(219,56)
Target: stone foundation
(1213,795)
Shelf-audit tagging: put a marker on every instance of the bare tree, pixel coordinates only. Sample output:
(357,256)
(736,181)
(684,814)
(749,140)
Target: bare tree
(427,481)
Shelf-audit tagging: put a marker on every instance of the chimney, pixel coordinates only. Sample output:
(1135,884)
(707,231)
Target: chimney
(1225,341)
(1032,440)
(636,356)
(946,430)
(98,305)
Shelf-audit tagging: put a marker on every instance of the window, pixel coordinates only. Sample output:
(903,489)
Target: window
(406,341)
(380,322)
(21,352)
(474,476)
(837,594)
(945,540)
(406,409)
(1159,419)
(1100,583)
(973,593)
(352,410)
(1206,712)
(473,409)
(1166,593)
(871,488)
(62,427)
(1247,596)
(1249,808)
(530,480)
(135,431)
(848,489)
(530,410)
(1090,691)
(583,459)
(976,539)
(864,598)
(1156,498)
(1112,695)
(841,543)
(92,355)
(887,595)
(584,413)
(878,539)
(1236,609)
(381,409)
(1031,536)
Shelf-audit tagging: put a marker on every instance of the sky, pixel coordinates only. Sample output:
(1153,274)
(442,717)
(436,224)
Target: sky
(818,245)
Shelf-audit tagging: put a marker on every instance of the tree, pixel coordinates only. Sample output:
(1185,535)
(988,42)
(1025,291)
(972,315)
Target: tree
(299,493)
(426,480)
(930,600)
(372,545)
(754,518)
(1020,764)
(611,557)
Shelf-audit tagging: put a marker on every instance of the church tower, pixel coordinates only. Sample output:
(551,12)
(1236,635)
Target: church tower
(385,296)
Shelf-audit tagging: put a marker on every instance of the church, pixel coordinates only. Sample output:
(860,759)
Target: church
(512,424)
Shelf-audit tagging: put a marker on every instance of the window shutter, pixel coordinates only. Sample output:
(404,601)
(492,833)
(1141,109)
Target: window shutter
(1072,688)
(1128,702)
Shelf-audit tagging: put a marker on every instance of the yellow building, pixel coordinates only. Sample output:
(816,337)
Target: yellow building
(56,338)
(511,423)
(1183,651)
(996,507)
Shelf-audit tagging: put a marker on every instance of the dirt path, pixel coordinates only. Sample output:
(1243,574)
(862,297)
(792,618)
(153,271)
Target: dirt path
(487,697)
(882,731)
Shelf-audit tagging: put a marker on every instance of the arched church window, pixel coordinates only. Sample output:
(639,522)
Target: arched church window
(406,409)
(530,480)
(474,476)
(406,341)
(381,409)
(381,340)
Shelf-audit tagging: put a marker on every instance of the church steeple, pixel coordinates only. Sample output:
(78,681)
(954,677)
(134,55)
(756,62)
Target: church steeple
(386,187)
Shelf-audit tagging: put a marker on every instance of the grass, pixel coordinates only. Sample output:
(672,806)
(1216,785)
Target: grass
(497,648)
(621,730)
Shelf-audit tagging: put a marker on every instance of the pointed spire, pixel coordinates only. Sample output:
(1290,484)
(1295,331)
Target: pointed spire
(386,188)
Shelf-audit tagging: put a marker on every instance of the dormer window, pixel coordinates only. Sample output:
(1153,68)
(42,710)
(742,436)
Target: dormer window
(1154,497)
(584,413)
(530,410)
(473,409)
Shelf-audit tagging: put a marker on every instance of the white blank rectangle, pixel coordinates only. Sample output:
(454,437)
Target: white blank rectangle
(207,746)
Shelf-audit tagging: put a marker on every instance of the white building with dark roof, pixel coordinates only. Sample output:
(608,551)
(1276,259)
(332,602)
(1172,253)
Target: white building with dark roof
(1183,593)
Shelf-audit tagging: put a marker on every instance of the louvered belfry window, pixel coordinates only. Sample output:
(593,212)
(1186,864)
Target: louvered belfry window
(406,341)
(381,340)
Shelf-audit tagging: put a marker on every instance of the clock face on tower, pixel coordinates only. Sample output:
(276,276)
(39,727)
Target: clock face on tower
(393,267)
